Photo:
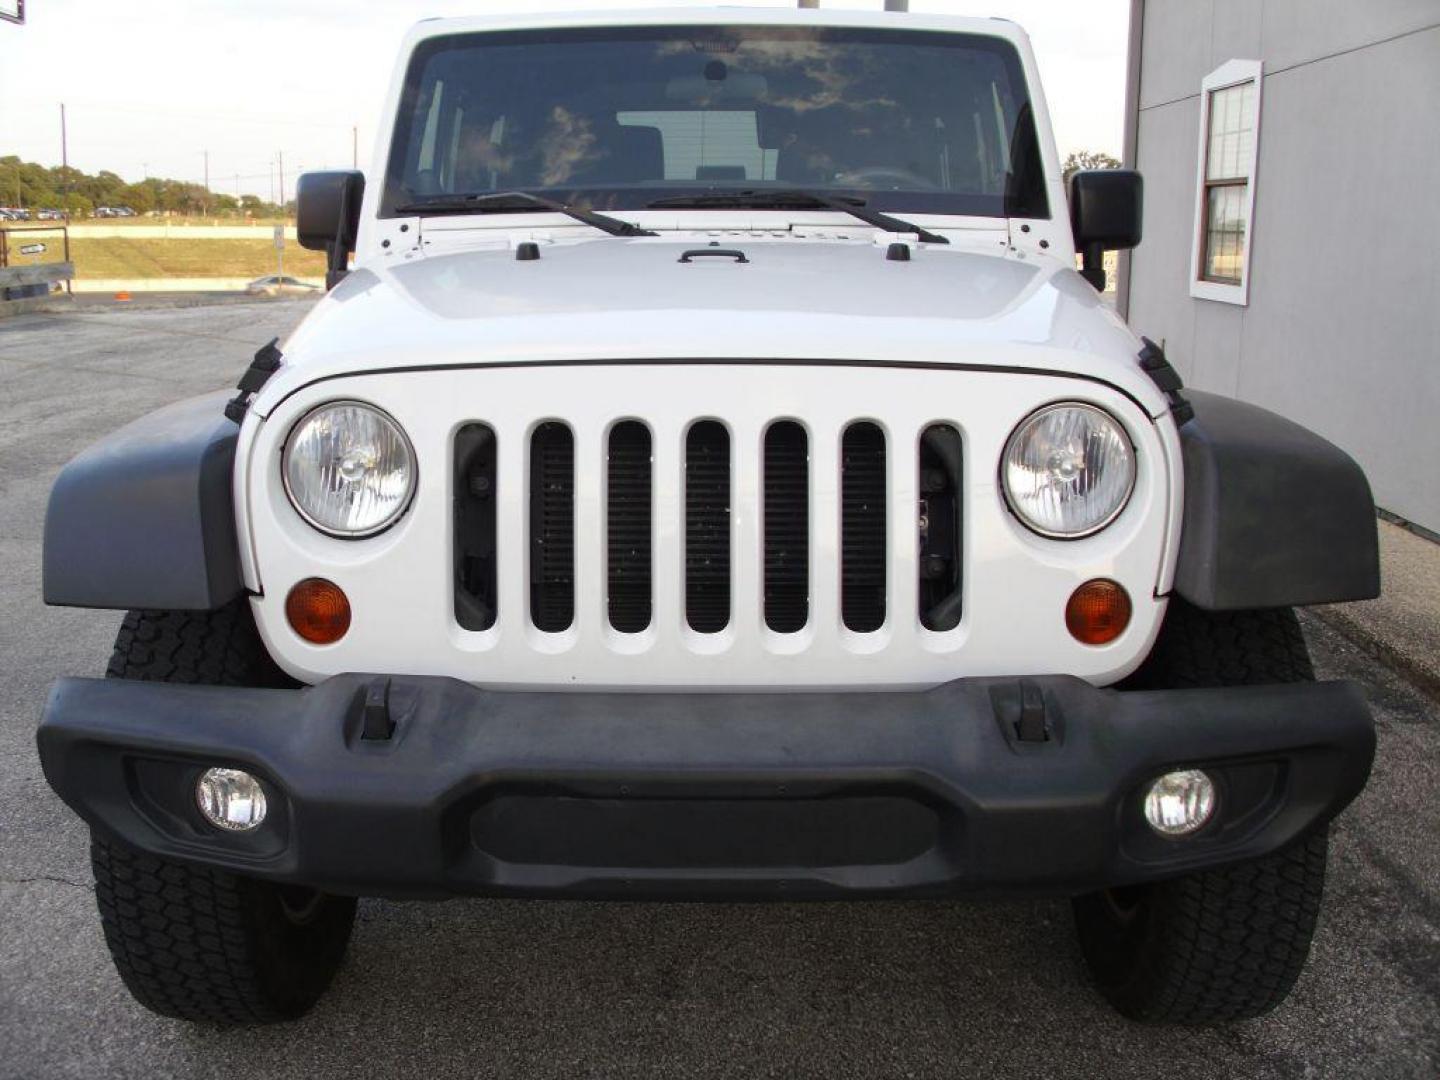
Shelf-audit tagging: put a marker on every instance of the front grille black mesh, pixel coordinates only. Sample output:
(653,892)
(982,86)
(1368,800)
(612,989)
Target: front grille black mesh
(940,527)
(787,527)
(862,527)
(474,522)
(552,527)
(628,527)
(707,527)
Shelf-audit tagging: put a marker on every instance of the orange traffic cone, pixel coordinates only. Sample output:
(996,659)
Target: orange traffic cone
(121,297)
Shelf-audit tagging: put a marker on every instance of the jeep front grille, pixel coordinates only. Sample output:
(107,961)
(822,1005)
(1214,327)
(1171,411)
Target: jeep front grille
(778,490)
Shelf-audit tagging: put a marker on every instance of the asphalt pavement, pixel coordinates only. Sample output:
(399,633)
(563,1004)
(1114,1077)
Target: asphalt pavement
(527,989)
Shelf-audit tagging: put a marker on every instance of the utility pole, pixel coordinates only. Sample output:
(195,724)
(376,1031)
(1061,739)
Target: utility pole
(355,147)
(207,181)
(64,154)
(280,160)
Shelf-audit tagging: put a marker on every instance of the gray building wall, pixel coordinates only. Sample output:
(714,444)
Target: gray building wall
(1342,331)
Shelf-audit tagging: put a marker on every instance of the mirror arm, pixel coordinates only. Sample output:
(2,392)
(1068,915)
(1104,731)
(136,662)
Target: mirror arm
(337,251)
(1092,264)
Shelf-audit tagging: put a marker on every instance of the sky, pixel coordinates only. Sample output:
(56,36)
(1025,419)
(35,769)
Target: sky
(151,87)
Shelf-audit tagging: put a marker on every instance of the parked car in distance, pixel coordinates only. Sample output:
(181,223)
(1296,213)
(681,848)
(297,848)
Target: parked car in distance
(49,215)
(273,285)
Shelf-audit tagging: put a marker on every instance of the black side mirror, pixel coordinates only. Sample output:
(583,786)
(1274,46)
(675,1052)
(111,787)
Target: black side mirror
(327,217)
(1105,211)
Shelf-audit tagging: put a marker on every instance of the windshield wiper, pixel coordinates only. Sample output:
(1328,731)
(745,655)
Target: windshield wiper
(793,198)
(510,202)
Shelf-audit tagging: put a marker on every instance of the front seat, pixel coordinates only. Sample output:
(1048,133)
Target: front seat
(623,154)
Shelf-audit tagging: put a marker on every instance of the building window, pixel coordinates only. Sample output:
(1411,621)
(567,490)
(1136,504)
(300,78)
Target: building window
(1225,188)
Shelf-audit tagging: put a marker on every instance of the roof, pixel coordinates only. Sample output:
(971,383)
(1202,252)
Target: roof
(776,16)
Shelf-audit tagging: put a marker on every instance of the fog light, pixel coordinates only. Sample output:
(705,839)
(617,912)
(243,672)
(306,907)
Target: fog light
(231,799)
(1180,802)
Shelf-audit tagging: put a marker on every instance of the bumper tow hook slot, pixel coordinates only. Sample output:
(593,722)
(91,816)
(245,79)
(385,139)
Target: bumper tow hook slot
(375,715)
(1031,725)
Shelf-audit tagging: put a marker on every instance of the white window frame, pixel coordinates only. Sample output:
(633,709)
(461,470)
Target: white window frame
(1231,73)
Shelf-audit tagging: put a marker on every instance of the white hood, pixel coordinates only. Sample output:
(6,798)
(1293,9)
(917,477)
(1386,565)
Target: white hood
(972,303)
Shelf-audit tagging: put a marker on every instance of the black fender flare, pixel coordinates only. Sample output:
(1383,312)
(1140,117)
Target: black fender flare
(144,517)
(1274,515)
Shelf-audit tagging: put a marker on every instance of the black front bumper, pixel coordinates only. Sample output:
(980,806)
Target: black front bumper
(713,795)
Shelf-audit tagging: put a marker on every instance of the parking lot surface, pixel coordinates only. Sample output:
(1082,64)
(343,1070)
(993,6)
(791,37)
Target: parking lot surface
(519,989)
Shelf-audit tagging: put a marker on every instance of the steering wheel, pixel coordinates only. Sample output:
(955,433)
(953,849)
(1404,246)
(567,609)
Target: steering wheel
(885,176)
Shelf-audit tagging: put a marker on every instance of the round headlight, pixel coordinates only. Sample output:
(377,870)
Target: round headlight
(348,469)
(1068,470)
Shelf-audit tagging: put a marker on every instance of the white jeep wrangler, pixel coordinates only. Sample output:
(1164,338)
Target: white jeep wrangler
(713,478)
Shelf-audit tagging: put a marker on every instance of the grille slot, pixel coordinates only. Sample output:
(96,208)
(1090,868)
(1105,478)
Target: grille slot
(552,527)
(862,527)
(707,527)
(474,524)
(787,527)
(628,527)
(939,480)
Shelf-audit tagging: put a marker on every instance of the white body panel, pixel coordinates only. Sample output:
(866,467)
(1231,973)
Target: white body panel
(440,325)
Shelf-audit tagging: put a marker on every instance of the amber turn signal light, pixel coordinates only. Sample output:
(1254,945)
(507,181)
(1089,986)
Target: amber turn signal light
(1098,612)
(318,610)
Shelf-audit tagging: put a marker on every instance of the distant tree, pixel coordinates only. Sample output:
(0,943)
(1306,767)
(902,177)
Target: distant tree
(33,185)
(1088,159)
(138,197)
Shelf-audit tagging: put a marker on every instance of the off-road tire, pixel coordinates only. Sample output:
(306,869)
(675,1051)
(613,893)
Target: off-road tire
(201,944)
(1223,944)
(216,648)
(1224,648)
(197,943)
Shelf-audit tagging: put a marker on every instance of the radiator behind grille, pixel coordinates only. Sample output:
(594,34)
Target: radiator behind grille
(707,527)
(552,527)
(628,528)
(787,527)
(862,527)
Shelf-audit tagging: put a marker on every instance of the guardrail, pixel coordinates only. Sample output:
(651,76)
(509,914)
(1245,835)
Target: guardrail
(31,260)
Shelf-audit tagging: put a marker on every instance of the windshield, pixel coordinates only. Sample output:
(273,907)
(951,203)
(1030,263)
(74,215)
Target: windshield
(618,118)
